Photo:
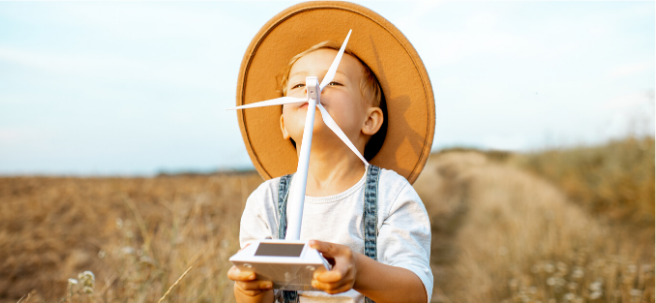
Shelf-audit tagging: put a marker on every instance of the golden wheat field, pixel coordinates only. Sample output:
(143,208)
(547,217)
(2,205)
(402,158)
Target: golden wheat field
(573,225)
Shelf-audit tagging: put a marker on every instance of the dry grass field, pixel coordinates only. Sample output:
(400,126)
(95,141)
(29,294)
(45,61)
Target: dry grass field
(502,233)
(560,226)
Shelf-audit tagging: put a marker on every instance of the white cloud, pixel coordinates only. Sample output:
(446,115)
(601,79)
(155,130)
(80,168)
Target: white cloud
(102,66)
(138,19)
(628,100)
(8,135)
(451,40)
(22,135)
(61,63)
(630,69)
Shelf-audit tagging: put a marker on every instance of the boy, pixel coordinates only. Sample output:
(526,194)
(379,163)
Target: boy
(398,270)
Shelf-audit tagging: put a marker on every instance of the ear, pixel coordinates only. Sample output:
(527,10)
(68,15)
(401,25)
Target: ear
(285,134)
(373,121)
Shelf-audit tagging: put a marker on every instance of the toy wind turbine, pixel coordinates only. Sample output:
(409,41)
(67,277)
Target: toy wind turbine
(314,89)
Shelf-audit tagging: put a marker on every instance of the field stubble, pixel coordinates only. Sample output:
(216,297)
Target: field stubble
(500,234)
(138,235)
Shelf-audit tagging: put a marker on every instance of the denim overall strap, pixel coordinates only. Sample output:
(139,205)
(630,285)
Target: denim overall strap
(288,296)
(370,217)
(283,193)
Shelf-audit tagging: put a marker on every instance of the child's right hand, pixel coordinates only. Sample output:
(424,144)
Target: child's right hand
(247,284)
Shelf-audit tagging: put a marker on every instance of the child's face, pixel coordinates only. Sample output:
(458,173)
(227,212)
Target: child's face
(341,98)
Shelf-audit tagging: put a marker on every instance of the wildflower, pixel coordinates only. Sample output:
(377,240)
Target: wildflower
(71,285)
(595,295)
(578,272)
(148,261)
(524,298)
(572,286)
(595,286)
(551,281)
(560,282)
(87,280)
(562,267)
(569,296)
(549,267)
(636,293)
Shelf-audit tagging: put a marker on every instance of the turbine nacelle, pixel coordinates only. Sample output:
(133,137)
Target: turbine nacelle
(313,88)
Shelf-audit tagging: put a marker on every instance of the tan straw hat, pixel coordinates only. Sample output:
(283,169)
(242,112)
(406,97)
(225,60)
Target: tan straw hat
(390,56)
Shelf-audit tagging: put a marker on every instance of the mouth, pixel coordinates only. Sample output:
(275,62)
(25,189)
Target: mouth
(305,105)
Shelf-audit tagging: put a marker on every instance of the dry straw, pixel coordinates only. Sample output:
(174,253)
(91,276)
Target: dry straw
(174,284)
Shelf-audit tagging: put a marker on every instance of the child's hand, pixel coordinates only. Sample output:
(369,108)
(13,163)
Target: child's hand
(342,277)
(246,282)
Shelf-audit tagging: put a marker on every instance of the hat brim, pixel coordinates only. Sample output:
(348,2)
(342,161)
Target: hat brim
(401,73)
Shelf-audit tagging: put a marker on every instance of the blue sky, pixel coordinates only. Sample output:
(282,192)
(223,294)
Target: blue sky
(133,88)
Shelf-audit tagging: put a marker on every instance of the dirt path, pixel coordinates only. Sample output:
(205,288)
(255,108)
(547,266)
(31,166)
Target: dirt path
(500,233)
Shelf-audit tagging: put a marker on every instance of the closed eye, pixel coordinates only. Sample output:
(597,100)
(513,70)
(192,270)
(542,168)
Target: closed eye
(300,85)
(334,83)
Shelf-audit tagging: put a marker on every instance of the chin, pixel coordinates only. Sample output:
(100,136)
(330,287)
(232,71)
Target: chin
(320,130)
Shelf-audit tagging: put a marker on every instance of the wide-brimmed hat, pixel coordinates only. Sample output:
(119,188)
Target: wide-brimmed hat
(381,46)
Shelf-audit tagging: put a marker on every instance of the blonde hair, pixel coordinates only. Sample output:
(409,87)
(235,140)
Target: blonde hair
(369,86)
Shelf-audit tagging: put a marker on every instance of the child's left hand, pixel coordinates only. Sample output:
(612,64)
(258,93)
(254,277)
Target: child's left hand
(342,277)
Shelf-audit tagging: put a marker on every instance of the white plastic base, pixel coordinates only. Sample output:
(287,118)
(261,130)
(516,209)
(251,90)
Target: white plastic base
(290,265)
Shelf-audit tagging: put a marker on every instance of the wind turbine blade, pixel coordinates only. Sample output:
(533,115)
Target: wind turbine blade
(338,131)
(333,67)
(278,101)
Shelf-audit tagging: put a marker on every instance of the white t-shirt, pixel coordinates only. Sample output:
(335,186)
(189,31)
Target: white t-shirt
(404,232)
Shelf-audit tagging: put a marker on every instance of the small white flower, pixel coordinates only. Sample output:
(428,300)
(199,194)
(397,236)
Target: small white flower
(595,286)
(636,292)
(595,295)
